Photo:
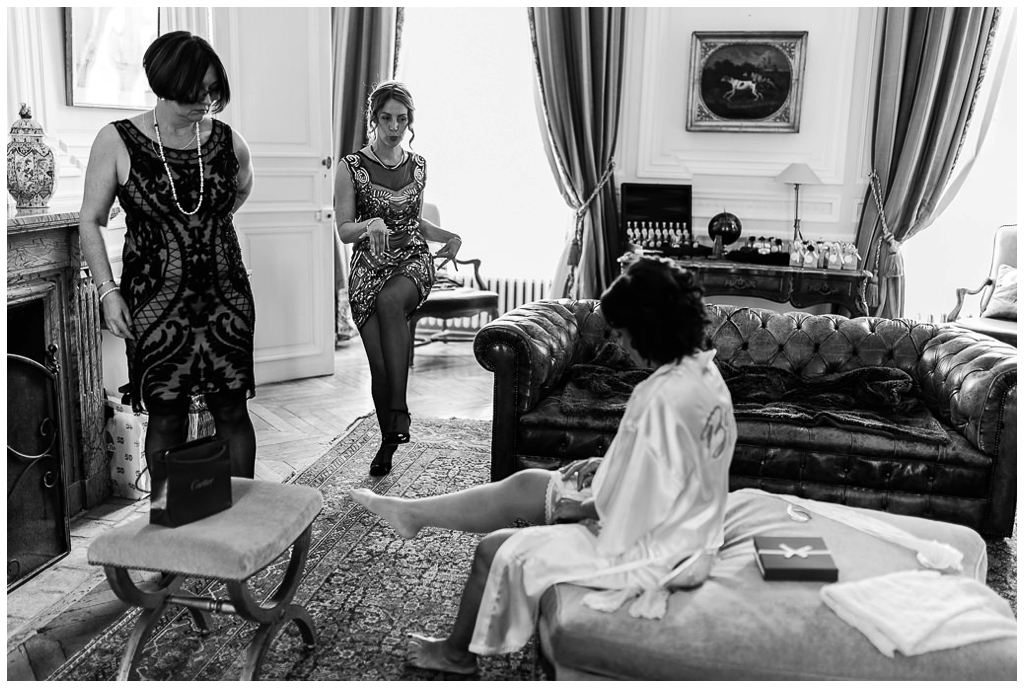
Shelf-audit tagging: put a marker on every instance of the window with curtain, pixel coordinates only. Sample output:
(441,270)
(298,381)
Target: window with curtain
(471,74)
(956,250)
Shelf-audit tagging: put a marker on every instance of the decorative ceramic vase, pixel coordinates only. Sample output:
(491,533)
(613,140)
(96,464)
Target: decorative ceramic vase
(31,164)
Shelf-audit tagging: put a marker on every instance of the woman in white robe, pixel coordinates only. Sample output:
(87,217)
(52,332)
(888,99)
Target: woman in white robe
(647,516)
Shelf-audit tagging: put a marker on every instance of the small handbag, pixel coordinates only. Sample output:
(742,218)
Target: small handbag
(196,482)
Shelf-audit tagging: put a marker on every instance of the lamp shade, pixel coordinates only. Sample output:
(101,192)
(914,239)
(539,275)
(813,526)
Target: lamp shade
(798,173)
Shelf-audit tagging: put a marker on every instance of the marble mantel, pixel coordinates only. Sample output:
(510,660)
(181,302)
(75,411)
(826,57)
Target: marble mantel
(45,267)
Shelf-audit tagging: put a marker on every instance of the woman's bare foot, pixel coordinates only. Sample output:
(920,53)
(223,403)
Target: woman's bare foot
(389,508)
(435,654)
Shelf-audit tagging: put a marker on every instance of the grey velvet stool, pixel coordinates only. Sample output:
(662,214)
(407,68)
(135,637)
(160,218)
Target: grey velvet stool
(265,519)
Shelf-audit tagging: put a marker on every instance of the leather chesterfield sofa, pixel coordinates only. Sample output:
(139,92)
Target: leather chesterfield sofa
(967,381)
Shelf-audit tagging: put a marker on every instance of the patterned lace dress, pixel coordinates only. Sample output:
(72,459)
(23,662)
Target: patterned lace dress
(183,278)
(395,196)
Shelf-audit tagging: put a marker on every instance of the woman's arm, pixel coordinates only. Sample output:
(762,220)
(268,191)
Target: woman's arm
(350,231)
(452,242)
(108,154)
(245,170)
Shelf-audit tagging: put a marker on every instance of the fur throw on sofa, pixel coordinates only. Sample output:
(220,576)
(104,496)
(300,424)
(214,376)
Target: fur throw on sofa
(880,400)
(876,399)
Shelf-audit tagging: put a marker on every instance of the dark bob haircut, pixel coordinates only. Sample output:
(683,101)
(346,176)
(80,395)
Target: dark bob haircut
(176,64)
(660,305)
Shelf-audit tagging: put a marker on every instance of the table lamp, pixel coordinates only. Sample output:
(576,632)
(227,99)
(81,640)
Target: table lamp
(796,174)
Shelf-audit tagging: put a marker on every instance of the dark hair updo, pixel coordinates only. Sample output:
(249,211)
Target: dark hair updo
(660,305)
(381,94)
(176,64)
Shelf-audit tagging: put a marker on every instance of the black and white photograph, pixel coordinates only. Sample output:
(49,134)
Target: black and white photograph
(511,344)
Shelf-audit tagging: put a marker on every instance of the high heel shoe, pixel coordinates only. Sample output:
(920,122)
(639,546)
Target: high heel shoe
(381,464)
(399,421)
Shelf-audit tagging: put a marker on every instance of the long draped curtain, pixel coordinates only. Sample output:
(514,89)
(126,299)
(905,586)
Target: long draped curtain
(365,42)
(578,54)
(933,60)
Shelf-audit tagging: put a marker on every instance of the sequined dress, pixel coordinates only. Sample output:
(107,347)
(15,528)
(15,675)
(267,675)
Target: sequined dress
(183,278)
(395,196)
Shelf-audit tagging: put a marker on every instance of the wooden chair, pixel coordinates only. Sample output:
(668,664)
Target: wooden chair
(1004,252)
(449,299)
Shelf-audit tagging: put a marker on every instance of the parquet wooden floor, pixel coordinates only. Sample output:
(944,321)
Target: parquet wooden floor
(56,613)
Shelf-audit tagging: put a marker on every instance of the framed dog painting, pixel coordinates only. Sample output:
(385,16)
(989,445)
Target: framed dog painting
(746,81)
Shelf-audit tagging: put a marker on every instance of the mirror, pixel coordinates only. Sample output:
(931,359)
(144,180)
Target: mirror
(103,54)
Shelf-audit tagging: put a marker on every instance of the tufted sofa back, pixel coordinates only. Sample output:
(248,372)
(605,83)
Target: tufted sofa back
(813,345)
(809,345)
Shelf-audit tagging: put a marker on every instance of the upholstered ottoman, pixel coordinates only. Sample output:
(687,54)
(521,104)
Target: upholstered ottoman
(739,626)
(264,521)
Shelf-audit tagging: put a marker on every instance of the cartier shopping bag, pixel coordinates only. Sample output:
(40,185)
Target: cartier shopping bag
(196,482)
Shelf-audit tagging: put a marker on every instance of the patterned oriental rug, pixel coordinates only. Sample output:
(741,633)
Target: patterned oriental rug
(364,586)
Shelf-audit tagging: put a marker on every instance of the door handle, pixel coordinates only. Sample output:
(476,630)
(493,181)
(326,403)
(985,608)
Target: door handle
(326,162)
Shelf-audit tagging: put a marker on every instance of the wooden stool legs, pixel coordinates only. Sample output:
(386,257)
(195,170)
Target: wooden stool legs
(271,617)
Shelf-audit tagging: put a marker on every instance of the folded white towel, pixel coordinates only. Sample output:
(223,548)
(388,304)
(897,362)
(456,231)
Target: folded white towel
(914,612)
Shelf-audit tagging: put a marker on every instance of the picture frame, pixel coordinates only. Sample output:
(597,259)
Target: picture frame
(103,51)
(746,81)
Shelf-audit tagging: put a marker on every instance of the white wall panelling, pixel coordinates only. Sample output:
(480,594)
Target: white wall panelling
(737,170)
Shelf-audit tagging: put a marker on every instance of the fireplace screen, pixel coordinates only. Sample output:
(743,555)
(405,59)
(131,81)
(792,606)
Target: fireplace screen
(38,531)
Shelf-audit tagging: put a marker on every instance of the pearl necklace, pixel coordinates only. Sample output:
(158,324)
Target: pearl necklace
(163,158)
(384,164)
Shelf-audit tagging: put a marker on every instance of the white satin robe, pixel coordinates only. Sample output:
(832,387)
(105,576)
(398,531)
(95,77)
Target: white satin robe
(660,493)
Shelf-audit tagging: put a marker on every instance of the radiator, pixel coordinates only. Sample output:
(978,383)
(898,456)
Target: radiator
(512,293)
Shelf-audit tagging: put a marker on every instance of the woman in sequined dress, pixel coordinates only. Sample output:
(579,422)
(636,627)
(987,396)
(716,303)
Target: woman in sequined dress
(184,304)
(379,201)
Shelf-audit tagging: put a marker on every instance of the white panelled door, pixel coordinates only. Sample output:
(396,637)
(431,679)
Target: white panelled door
(279,63)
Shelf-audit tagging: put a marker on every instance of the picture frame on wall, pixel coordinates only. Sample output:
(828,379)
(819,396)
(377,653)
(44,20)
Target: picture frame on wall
(103,50)
(746,81)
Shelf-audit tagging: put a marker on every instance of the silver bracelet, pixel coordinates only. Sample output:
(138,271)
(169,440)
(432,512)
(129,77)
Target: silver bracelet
(107,293)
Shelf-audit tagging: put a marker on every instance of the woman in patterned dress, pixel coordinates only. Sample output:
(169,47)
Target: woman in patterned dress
(184,305)
(379,198)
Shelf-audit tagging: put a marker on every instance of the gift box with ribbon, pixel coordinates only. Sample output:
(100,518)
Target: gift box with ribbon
(792,558)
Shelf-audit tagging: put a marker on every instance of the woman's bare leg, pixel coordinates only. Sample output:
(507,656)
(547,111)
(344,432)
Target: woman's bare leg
(452,653)
(479,509)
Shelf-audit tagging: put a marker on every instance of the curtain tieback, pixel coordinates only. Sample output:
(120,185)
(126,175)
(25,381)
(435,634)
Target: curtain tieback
(581,212)
(894,261)
(887,236)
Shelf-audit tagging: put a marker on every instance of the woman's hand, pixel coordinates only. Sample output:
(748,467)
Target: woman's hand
(377,231)
(582,471)
(569,510)
(117,315)
(449,250)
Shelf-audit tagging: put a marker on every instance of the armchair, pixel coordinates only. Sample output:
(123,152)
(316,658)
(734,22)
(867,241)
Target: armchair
(997,322)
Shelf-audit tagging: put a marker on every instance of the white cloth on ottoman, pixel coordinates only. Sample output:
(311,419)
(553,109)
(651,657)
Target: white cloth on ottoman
(921,611)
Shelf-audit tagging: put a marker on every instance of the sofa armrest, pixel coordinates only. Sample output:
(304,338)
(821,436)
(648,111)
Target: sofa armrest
(532,347)
(529,349)
(970,380)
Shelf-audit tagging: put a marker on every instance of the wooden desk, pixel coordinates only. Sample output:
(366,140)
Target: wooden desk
(802,287)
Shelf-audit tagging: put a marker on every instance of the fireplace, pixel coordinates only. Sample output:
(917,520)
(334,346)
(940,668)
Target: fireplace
(38,528)
(54,386)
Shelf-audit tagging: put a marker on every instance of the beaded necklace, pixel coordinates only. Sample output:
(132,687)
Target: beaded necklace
(384,164)
(163,158)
